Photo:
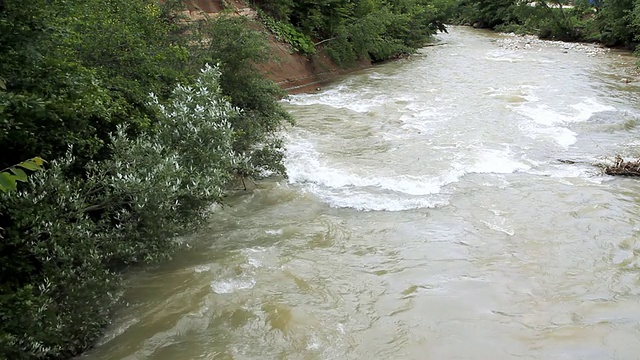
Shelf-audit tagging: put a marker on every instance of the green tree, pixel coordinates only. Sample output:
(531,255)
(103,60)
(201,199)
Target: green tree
(375,30)
(128,172)
(74,70)
(238,49)
(615,22)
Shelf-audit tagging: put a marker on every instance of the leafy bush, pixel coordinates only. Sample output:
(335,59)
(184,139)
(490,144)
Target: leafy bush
(280,9)
(375,30)
(287,33)
(610,22)
(616,22)
(74,70)
(237,48)
(70,235)
(341,51)
(127,173)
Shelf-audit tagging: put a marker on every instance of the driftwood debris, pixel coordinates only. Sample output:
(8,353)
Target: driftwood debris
(435,44)
(623,168)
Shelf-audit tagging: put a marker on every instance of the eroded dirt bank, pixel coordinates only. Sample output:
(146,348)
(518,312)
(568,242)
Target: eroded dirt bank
(289,69)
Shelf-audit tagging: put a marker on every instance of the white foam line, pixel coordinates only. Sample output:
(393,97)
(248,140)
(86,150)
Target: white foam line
(341,97)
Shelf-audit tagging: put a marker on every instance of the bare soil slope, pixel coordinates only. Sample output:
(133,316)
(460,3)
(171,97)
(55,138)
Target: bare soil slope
(289,69)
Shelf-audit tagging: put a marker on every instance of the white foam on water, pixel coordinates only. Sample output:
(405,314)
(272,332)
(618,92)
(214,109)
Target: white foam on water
(504,55)
(364,201)
(561,135)
(254,255)
(342,188)
(588,108)
(231,285)
(496,227)
(419,118)
(201,268)
(496,162)
(498,182)
(571,172)
(522,91)
(304,165)
(531,98)
(544,115)
(313,344)
(547,122)
(541,114)
(378,76)
(341,97)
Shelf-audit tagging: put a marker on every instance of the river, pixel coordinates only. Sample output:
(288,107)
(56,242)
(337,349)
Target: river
(430,213)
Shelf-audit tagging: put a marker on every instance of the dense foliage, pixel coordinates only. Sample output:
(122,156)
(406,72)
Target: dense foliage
(374,30)
(139,143)
(612,22)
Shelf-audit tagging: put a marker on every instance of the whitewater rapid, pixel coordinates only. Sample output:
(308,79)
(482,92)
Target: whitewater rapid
(444,206)
(426,129)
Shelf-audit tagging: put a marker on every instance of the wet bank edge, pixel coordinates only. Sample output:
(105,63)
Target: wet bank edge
(296,74)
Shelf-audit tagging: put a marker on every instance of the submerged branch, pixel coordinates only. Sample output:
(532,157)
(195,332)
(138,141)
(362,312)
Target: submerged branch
(623,168)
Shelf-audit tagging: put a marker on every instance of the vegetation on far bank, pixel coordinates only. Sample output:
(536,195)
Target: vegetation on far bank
(352,30)
(610,22)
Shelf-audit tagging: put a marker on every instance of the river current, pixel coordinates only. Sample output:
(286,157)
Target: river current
(444,206)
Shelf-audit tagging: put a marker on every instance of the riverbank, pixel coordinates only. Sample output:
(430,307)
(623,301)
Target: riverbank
(291,70)
(528,42)
(514,41)
(296,73)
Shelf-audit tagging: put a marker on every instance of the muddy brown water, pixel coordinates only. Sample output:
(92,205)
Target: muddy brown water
(426,216)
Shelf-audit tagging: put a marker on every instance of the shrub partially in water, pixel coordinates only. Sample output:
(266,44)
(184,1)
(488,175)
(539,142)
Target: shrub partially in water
(71,235)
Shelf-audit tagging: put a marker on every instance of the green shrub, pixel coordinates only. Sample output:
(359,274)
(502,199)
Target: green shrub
(70,235)
(238,49)
(341,51)
(74,70)
(287,33)
(376,30)
(127,173)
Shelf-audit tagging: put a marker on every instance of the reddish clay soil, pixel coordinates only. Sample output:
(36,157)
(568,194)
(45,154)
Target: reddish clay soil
(290,70)
(296,73)
(207,6)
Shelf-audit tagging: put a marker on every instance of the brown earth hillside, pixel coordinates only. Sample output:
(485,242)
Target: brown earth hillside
(290,70)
